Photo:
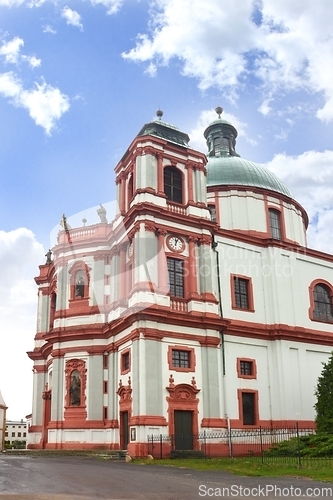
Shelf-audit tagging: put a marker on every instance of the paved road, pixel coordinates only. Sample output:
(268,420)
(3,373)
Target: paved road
(80,478)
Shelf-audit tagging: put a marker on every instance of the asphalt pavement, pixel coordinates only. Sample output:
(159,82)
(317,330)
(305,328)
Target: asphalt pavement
(85,478)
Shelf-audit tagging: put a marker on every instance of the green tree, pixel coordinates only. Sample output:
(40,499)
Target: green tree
(324,393)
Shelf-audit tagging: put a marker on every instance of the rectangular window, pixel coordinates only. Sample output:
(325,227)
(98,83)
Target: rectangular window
(13,434)
(246,367)
(105,361)
(176,277)
(125,362)
(19,434)
(6,434)
(105,412)
(275,223)
(24,434)
(241,292)
(180,359)
(105,383)
(248,408)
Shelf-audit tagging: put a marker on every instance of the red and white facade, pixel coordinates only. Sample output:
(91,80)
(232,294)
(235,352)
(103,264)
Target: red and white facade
(167,319)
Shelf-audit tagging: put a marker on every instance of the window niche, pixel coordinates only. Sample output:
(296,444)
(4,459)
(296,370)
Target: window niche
(75,398)
(79,284)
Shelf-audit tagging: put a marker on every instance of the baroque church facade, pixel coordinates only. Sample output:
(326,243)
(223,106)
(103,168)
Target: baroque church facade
(199,307)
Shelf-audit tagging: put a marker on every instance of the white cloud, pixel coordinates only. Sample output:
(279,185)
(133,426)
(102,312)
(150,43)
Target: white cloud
(11,3)
(72,17)
(49,29)
(289,46)
(45,103)
(11,50)
(10,85)
(20,255)
(309,177)
(112,6)
(32,61)
(14,3)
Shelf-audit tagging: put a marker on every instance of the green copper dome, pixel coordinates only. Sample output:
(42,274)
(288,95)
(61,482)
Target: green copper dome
(226,168)
(235,171)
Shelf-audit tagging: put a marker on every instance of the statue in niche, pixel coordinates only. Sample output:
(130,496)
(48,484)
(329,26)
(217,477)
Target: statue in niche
(75,389)
(102,214)
(79,287)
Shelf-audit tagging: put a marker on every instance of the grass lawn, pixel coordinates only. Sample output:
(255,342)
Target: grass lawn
(321,470)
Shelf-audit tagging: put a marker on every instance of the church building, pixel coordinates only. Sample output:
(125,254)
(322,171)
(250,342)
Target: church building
(198,307)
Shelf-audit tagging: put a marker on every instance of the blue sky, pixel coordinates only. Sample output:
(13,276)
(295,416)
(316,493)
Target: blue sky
(78,79)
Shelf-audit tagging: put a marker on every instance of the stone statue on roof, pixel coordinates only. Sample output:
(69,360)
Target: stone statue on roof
(102,214)
(48,257)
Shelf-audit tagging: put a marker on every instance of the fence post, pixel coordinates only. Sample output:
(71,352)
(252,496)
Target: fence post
(161,440)
(298,446)
(205,445)
(261,447)
(229,438)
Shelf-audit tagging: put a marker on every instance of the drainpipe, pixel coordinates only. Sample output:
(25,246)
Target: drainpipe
(214,247)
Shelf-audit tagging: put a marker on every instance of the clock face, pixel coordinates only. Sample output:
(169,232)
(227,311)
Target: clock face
(176,243)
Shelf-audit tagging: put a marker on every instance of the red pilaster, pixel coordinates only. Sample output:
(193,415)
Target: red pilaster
(189,168)
(160,182)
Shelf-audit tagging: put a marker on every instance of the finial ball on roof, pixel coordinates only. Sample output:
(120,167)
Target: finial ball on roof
(159,113)
(219,111)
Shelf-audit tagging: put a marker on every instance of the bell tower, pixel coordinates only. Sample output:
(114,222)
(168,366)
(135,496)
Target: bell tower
(162,197)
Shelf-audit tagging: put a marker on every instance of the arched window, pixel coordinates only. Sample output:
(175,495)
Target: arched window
(173,184)
(130,190)
(275,223)
(53,307)
(322,302)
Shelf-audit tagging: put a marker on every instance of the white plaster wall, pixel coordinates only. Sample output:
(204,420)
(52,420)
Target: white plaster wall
(246,211)
(280,279)
(294,225)
(287,375)
(241,210)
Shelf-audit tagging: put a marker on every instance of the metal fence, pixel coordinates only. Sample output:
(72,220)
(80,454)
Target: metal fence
(262,442)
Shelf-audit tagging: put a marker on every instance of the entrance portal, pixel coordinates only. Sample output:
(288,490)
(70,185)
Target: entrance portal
(183,430)
(124,430)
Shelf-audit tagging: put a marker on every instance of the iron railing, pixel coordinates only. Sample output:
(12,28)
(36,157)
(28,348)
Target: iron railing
(260,442)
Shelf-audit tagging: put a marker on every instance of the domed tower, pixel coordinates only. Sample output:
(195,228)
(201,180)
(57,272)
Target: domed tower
(246,197)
